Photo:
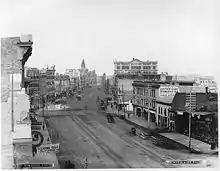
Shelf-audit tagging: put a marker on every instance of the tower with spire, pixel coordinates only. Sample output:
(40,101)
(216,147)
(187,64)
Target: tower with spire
(83,65)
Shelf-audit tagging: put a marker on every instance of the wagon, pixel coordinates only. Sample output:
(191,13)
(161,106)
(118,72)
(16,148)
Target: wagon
(133,131)
(110,118)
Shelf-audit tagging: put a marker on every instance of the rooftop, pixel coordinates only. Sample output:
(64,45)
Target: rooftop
(136,60)
(168,99)
(205,102)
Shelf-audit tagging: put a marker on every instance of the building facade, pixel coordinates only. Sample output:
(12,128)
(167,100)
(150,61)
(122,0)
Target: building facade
(50,77)
(92,77)
(136,66)
(204,112)
(15,51)
(126,72)
(83,75)
(74,76)
(152,101)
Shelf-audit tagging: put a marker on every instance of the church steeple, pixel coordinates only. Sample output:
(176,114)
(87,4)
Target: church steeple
(83,65)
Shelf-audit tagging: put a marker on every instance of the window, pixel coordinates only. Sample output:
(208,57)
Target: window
(165,112)
(153,104)
(153,93)
(125,67)
(135,67)
(154,67)
(146,67)
(118,67)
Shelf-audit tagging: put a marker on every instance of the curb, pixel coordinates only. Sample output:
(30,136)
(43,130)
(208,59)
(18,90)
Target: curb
(175,143)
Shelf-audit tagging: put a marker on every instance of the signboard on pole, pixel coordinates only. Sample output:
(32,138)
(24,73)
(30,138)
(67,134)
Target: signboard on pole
(168,91)
(48,148)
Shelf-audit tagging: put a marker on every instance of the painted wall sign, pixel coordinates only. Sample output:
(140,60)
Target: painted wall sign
(168,91)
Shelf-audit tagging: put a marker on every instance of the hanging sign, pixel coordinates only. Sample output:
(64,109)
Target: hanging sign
(38,138)
(48,148)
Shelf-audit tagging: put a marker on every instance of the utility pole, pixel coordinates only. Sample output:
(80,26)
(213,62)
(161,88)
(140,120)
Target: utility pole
(12,100)
(123,98)
(190,105)
(43,104)
(190,113)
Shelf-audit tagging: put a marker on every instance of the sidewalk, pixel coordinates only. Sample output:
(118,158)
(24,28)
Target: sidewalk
(196,145)
(43,158)
(131,118)
(46,157)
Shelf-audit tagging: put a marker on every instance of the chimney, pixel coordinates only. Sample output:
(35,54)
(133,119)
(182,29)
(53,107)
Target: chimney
(206,90)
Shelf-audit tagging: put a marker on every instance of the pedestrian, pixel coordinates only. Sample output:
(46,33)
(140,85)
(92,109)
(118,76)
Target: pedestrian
(66,165)
(33,151)
(69,165)
(43,126)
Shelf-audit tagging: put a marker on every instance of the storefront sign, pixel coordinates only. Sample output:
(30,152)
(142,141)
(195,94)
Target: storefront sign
(36,123)
(49,148)
(168,91)
(36,127)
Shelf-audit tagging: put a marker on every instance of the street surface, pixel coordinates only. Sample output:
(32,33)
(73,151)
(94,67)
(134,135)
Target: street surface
(85,135)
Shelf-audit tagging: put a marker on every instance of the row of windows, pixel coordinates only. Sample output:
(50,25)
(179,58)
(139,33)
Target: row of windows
(136,72)
(207,82)
(145,92)
(144,63)
(136,67)
(162,111)
(145,102)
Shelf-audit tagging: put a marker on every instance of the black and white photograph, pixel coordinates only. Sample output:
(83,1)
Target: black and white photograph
(109,84)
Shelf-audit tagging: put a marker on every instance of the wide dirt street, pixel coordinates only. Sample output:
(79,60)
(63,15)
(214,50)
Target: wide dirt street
(85,135)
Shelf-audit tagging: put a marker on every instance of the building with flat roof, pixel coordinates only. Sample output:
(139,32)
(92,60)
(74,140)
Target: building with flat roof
(135,67)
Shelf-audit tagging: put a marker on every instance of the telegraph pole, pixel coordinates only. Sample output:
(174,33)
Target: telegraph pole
(190,105)
(190,113)
(123,98)
(12,101)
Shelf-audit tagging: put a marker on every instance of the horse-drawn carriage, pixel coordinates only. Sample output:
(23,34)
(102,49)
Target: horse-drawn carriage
(110,118)
(133,131)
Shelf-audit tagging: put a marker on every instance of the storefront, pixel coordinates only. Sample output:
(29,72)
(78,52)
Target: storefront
(22,143)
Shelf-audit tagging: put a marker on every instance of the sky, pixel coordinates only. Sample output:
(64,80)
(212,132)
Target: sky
(182,35)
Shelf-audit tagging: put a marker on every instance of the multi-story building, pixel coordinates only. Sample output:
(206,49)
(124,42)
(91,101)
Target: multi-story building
(57,83)
(92,77)
(74,76)
(152,101)
(33,89)
(50,77)
(62,85)
(16,132)
(201,81)
(125,73)
(135,67)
